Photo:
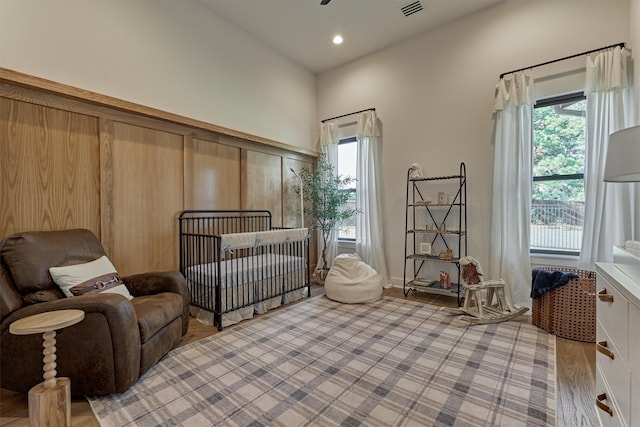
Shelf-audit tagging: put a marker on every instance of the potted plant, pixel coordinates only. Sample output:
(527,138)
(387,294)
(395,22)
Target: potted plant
(326,203)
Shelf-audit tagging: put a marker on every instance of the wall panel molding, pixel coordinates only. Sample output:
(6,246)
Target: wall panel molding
(106,184)
(19,80)
(73,159)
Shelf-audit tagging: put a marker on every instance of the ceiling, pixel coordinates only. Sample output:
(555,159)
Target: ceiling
(302,30)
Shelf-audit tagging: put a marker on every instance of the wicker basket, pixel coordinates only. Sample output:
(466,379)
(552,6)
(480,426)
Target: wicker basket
(570,310)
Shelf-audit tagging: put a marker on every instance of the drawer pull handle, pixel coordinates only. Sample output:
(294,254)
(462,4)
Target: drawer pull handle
(604,296)
(603,406)
(604,349)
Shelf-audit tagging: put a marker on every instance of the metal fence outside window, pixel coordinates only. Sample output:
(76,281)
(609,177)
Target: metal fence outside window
(347,230)
(556,225)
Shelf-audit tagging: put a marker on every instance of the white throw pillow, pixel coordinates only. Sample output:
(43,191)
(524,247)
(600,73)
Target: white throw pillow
(92,277)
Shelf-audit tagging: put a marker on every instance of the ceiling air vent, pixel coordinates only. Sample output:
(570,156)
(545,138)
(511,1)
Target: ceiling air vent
(411,8)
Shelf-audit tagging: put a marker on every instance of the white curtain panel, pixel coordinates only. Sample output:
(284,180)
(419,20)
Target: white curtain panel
(611,209)
(511,204)
(369,232)
(329,146)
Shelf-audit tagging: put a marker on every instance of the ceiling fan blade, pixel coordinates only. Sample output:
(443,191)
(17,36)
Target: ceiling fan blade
(325,2)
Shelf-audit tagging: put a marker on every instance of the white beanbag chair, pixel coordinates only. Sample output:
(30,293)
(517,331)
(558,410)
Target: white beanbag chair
(352,281)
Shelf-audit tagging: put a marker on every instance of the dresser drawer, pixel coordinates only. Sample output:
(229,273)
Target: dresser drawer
(612,309)
(606,409)
(616,371)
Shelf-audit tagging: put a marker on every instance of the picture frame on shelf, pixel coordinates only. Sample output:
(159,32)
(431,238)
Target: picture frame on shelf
(425,248)
(443,198)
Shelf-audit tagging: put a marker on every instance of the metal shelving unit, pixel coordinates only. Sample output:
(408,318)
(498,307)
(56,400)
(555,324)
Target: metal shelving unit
(431,226)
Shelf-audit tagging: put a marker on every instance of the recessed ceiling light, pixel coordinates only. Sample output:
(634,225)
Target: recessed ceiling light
(337,39)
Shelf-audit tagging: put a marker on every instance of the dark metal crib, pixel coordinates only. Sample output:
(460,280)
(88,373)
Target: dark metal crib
(236,263)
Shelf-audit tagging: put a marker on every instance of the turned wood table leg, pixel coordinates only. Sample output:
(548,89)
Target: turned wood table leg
(50,401)
(49,360)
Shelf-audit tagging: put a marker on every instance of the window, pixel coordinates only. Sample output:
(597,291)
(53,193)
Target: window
(347,160)
(557,200)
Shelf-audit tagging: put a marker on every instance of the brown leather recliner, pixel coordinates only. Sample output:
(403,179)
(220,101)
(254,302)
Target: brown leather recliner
(118,340)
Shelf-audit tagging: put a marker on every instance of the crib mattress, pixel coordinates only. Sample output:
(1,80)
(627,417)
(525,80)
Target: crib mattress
(245,280)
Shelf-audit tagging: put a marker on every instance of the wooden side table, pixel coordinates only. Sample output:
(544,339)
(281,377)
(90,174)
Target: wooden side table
(49,401)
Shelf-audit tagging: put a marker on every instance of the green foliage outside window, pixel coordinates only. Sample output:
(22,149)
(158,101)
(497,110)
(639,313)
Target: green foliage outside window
(559,143)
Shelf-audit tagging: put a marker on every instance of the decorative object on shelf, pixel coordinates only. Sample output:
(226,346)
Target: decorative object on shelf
(446,255)
(445,280)
(421,281)
(327,203)
(415,172)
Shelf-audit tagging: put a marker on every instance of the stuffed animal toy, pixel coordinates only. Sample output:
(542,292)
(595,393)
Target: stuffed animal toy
(470,274)
(415,172)
(471,271)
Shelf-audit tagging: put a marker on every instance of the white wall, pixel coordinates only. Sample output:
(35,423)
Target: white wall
(176,56)
(634,20)
(434,94)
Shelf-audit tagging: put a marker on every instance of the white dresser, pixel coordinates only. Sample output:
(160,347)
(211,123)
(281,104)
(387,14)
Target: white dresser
(618,344)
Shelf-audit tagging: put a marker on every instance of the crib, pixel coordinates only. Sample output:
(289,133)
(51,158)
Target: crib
(237,265)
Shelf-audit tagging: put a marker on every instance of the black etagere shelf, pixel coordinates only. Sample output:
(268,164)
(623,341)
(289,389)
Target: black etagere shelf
(446,230)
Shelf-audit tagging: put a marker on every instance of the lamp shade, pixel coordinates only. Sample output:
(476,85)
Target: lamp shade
(623,156)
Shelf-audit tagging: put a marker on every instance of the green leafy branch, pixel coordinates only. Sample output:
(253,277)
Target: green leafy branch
(326,199)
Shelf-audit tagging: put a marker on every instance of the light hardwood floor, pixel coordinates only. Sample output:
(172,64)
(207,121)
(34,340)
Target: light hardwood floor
(575,376)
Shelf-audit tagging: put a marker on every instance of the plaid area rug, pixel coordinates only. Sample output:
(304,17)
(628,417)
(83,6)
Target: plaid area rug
(321,363)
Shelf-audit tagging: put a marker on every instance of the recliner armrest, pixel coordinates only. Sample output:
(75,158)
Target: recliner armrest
(106,303)
(156,282)
(161,281)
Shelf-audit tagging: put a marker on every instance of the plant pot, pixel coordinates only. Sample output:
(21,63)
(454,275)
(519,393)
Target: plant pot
(321,274)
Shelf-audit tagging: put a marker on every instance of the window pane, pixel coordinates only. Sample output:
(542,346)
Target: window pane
(347,153)
(556,223)
(347,161)
(557,204)
(348,229)
(558,133)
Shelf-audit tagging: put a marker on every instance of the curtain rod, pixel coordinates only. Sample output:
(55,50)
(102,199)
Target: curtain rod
(621,44)
(349,114)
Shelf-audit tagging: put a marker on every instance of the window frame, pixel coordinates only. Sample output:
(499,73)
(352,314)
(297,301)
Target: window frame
(347,140)
(547,102)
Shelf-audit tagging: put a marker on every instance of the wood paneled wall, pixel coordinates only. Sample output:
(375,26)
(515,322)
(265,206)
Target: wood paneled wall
(41,185)
(66,163)
(212,175)
(262,177)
